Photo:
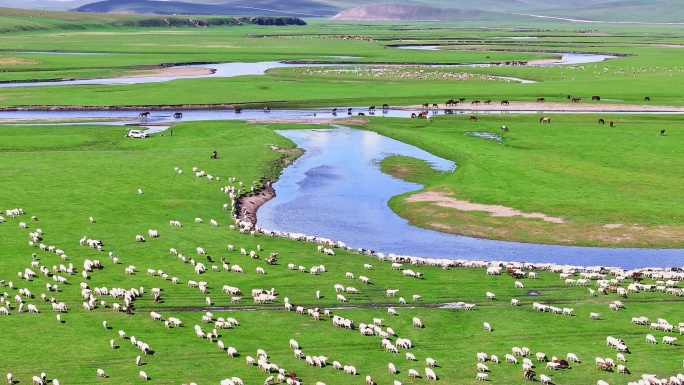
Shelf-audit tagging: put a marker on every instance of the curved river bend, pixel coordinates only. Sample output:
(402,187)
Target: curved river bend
(337,190)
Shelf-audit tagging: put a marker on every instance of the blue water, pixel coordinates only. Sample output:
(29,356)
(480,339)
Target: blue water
(336,190)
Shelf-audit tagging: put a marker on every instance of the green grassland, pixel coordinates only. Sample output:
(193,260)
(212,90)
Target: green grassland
(63,175)
(590,175)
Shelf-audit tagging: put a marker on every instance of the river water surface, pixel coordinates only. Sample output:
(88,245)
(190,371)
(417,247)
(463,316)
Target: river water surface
(337,190)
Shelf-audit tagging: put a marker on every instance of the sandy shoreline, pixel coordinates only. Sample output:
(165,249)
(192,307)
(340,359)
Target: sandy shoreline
(248,205)
(171,72)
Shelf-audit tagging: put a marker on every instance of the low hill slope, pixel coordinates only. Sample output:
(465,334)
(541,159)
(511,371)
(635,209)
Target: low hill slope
(395,11)
(635,11)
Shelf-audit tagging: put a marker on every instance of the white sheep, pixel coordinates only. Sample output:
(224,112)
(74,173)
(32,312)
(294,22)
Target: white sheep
(482,367)
(487,326)
(651,339)
(430,362)
(140,191)
(392,368)
(430,374)
(544,379)
(669,340)
(101,373)
(594,315)
(143,375)
(519,285)
(491,295)
(417,322)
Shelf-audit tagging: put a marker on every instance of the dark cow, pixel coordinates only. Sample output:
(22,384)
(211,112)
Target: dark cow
(612,124)
(371,109)
(539,100)
(214,154)
(662,132)
(413,115)
(361,114)
(601,121)
(144,115)
(473,117)
(595,97)
(385,106)
(349,111)
(334,111)
(489,101)
(505,102)
(648,99)
(461,100)
(426,105)
(178,115)
(238,110)
(504,128)
(435,105)
(475,102)
(576,100)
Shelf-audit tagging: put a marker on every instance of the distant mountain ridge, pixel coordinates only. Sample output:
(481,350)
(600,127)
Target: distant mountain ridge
(298,8)
(661,11)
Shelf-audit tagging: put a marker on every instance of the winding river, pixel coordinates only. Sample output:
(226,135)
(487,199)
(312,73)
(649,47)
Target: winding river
(337,190)
(225,70)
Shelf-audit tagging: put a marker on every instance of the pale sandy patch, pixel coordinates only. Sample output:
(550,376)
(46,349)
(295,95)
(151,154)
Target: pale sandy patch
(442,200)
(541,107)
(612,225)
(172,72)
(542,62)
(12,60)
(670,45)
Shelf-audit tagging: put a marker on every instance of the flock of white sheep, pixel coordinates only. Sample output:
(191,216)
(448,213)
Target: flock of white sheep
(666,281)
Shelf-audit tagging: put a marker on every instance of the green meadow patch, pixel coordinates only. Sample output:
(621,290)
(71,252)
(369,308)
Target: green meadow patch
(64,175)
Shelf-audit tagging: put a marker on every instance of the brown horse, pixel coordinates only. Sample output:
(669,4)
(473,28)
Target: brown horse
(475,102)
(487,101)
(601,121)
(505,102)
(473,117)
(544,120)
(539,100)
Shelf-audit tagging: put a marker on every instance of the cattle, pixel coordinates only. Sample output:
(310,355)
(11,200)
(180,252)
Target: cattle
(539,100)
(601,121)
(473,118)
(544,120)
(595,97)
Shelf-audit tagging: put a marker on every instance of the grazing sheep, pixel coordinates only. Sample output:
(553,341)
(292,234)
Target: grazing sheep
(101,373)
(143,375)
(669,340)
(594,315)
(622,369)
(430,362)
(479,376)
(491,295)
(487,327)
(572,357)
(140,191)
(482,367)
(198,220)
(651,339)
(430,374)
(519,285)
(511,359)
(138,361)
(10,379)
(515,302)
(417,323)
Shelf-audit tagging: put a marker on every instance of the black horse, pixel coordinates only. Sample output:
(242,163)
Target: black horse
(178,115)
